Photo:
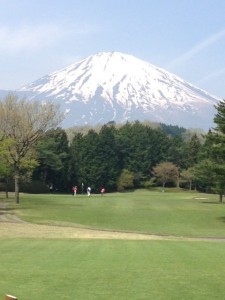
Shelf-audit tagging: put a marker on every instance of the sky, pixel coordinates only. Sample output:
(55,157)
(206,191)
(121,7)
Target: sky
(184,37)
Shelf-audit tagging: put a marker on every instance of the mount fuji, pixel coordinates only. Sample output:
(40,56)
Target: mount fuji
(120,87)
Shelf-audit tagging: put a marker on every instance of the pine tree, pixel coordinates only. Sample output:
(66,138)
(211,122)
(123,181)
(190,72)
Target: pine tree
(211,170)
(193,150)
(108,158)
(53,156)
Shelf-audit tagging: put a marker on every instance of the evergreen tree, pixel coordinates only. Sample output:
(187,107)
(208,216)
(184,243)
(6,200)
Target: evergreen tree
(87,162)
(172,130)
(219,118)
(177,152)
(61,179)
(53,156)
(76,162)
(211,170)
(108,158)
(140,148)
(193,150)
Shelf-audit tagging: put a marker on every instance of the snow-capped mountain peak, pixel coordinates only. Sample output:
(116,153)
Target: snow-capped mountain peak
(115,86)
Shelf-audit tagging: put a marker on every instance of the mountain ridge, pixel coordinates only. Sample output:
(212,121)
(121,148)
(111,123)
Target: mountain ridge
(112,86)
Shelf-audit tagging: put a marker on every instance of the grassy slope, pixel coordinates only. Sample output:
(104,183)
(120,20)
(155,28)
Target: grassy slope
(142,211)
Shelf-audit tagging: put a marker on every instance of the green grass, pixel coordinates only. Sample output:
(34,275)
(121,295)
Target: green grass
(71,269)
(170,213)
(83,269)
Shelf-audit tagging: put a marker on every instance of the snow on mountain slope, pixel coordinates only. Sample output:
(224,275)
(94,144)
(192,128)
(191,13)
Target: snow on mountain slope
(115,86)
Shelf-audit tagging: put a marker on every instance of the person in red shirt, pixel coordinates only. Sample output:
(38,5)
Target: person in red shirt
(75,190)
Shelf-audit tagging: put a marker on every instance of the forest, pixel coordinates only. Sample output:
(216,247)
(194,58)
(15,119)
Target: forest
(118,157)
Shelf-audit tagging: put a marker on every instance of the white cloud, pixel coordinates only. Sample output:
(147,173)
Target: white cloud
(196,49)
(211,76)
(27,38)
(35,38)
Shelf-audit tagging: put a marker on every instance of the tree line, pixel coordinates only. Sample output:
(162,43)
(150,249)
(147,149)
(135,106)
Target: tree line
(38,155)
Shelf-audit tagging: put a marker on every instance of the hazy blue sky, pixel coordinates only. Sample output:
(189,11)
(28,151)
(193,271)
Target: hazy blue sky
(185,37)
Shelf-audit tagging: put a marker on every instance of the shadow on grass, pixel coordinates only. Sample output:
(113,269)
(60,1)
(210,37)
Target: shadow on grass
(7,209)
(212,202)
(4,211)
(222,219)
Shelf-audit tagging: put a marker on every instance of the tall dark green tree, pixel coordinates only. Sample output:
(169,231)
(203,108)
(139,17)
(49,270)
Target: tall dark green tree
(219,118)
(63,152)
(76,161)
(109,167)
(140,148)
(53,156)
(86,160)
(98,159)
(95,160)
(213,155)
(177,152)
(193,151)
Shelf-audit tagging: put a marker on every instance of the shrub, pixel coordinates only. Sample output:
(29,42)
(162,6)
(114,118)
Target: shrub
(34,187)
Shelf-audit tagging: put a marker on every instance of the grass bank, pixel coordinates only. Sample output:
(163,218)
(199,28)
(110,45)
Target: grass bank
(169,213)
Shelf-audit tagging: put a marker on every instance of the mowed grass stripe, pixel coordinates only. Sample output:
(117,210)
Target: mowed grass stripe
(82,269)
